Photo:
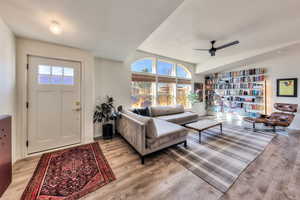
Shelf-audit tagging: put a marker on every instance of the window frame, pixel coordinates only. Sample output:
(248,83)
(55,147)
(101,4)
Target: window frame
(153,66)
(184,68)
(155,74)
(52,75)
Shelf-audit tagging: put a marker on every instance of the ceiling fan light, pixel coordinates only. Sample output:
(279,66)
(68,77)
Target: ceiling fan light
(55,28)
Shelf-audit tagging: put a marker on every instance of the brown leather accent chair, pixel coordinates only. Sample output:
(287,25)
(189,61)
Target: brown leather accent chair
(283,119)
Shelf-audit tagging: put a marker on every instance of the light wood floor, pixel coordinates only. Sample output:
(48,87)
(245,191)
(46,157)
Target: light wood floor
(274,175)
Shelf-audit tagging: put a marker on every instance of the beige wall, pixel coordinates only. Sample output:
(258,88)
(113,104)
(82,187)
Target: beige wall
(27,47)
(8,78)
(285,64)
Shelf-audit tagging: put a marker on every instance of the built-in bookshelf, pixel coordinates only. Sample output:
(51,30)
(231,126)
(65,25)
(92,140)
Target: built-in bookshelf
(240,92)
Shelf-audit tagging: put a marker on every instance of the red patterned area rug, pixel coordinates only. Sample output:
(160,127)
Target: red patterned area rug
(69,174)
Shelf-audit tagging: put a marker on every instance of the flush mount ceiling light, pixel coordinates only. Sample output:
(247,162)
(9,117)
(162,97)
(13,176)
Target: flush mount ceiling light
(55,28)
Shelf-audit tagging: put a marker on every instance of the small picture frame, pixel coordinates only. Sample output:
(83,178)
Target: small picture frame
(287,87)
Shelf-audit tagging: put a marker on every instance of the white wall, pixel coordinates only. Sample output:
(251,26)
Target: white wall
(27,47)
(8,78)
(112,78)
(285,64)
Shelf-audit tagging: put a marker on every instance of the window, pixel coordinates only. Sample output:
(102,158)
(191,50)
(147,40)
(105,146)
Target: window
(183,90)
(142,94)
(165,94)
(165,68)
(55,75)
(159,83)
(182,72)
(144,66)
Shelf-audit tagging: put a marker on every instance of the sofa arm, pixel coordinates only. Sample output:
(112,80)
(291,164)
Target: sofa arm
(133,131)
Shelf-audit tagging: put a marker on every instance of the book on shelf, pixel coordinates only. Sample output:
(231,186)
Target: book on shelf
(242,90)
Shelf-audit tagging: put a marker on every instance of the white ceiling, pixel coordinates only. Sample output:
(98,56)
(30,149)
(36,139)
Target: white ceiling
(257,24)
(109,28)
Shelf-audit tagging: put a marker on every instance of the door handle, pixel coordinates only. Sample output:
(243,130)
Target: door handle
(77,109)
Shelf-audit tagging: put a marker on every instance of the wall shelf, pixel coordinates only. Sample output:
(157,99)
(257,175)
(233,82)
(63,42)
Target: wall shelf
(242,92)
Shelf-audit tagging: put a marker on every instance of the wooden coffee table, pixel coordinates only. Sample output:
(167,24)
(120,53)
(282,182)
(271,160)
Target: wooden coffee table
(203,125)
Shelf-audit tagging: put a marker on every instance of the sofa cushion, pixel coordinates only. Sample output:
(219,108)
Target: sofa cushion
(164,128)
(166,132)
(156,111)
(180,118)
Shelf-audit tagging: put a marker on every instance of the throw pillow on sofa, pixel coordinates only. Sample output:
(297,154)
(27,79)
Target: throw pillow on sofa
(142,111)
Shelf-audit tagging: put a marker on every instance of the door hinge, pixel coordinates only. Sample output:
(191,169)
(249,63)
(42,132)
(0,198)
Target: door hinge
(27,104)
(27,143)
(27,66)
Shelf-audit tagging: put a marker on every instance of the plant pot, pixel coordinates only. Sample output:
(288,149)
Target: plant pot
(108,131)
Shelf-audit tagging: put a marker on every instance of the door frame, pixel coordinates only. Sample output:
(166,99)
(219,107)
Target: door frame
(26,120)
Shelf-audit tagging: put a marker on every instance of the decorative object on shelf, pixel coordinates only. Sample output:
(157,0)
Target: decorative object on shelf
(241,92)
(287,87)
(198,89)
(106,113)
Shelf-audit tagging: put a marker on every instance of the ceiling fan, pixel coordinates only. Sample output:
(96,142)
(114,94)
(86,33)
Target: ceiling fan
(213,49)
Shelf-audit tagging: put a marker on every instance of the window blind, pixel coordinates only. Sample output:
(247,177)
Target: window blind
(143,78)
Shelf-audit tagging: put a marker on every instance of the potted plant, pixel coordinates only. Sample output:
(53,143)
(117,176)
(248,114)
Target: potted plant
(106,113)
(193,98)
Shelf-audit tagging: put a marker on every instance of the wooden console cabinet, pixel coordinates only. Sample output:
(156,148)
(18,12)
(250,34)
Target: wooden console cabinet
(5,153)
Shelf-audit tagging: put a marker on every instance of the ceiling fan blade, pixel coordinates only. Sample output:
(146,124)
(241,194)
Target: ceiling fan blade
(228,45)
(201,49)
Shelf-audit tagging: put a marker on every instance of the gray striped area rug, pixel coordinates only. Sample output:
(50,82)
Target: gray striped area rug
(220,159)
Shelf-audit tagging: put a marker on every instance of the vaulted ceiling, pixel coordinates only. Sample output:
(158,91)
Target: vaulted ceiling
(109,28)
(259,25)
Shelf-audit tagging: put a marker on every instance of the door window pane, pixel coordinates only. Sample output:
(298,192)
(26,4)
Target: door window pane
(165,94)
(164,68)
(144,66)
(57,75)
(183,91)
(68,71)
(45,69)
(68,76)
(44,74)
(142,94)
(57,71)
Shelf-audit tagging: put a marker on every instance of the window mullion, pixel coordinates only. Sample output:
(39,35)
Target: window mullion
(156,83)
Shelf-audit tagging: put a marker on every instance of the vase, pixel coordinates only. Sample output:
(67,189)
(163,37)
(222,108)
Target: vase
(107,131)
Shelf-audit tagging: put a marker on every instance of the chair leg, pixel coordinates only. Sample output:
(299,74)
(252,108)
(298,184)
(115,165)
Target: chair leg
(142,160)
(185,144)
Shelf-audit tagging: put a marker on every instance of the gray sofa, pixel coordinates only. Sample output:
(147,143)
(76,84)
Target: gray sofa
(163,128)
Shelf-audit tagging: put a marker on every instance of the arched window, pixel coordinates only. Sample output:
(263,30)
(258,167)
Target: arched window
(182,72)
(159,82)
(144,65)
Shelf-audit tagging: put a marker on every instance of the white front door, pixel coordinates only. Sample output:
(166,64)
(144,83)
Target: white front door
(54,107)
